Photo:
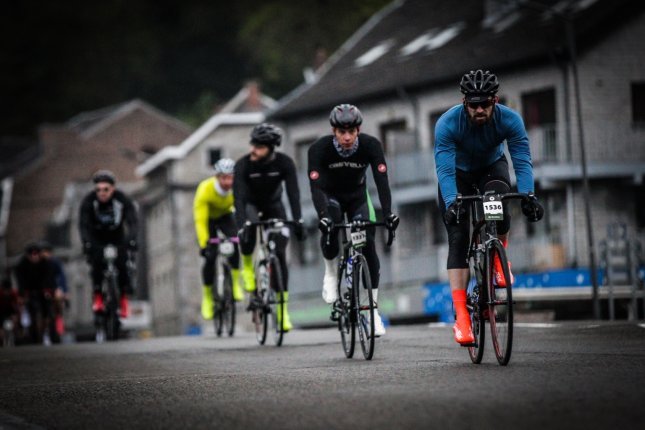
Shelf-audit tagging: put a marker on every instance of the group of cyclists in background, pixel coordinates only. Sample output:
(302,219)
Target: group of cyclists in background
(469,155)
(33,312)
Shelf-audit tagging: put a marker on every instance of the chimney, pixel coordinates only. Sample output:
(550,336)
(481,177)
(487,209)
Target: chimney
(254,97)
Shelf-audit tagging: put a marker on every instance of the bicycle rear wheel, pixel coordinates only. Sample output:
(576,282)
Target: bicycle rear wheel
(500,306)
(343,311)
(275,303)
(364,306)
(259,314)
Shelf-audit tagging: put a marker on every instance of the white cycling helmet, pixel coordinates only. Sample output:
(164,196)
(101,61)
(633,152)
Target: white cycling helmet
(224,166)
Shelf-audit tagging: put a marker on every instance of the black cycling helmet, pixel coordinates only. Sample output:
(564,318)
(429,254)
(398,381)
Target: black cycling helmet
(345,116)
(478,85)
(104,176)
(266,134)
(44,245)
(32,247)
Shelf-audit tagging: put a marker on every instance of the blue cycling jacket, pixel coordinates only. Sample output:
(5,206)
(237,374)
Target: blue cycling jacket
(459,144)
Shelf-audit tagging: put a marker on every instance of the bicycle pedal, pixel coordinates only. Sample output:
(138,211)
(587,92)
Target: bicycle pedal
(468,345)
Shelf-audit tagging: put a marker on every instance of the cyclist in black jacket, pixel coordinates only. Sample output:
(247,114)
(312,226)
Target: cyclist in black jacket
(108,216)
(337,166)
(257,188)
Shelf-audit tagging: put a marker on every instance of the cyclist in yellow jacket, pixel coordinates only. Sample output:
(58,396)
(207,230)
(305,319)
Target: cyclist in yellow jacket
(212,211)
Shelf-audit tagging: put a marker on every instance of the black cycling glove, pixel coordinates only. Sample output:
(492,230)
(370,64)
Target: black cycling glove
(391,222)
(454,214)
(532,209)
(325,225)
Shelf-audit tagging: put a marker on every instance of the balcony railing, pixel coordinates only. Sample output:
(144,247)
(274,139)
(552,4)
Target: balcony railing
(545,145)
(411,168)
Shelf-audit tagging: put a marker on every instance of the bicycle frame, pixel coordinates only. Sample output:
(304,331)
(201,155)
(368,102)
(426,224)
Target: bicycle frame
(225,248)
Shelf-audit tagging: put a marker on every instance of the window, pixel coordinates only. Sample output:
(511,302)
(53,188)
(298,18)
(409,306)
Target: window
(416,231)
(639,196)
(538,111)
(638,114)
(385,130)
(434,117)
(214,154)
(302,150)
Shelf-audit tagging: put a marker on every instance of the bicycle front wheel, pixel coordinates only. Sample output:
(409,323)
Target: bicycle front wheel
(258,300)
(343,310)
(275,304)
(364,305)
(228,304)
(476,304)
(500,305)
(111,320)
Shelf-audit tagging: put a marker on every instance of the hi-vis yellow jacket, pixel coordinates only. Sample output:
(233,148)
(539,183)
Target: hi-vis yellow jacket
(209,205)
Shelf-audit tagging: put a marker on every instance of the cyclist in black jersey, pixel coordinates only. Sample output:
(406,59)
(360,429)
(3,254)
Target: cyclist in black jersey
(337,166)
(108,216)
(257,189)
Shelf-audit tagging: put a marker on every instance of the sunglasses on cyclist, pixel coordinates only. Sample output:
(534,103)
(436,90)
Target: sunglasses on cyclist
(102,189)
(483,105)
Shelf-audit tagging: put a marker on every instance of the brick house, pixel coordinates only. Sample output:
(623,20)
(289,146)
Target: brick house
(115,138)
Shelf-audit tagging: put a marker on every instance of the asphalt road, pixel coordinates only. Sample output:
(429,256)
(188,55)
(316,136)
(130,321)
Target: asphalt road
(569,376)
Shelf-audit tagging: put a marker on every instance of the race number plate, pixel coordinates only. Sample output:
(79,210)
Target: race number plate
(226,248)
(359,238)
(493,209)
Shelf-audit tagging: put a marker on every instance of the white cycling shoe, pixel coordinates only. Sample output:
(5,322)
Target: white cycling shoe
(379,327)
(330,282)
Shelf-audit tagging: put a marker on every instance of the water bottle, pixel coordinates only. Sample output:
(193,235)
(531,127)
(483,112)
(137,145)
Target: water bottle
(348,271)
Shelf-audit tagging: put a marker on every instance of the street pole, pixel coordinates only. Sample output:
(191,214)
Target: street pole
(567,17)
(571,44)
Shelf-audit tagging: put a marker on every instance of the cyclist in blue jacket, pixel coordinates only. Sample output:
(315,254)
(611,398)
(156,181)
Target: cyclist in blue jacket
(469,151)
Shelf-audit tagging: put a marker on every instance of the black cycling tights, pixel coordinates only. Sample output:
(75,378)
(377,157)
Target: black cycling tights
(280,239)
(494,177)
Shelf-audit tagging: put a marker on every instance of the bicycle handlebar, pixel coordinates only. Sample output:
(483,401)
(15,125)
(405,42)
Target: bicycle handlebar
(273,222)
(503,196)
(218,240)
(359,224)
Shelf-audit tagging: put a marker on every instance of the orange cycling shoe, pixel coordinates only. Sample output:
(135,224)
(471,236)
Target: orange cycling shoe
(463,332)
(499,273)
(97,304)
(124,306)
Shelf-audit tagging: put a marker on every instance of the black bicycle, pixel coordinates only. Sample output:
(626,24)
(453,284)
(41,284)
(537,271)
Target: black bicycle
(223,303)
(107,322)
(354,308)
(267,303)
(487,301)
